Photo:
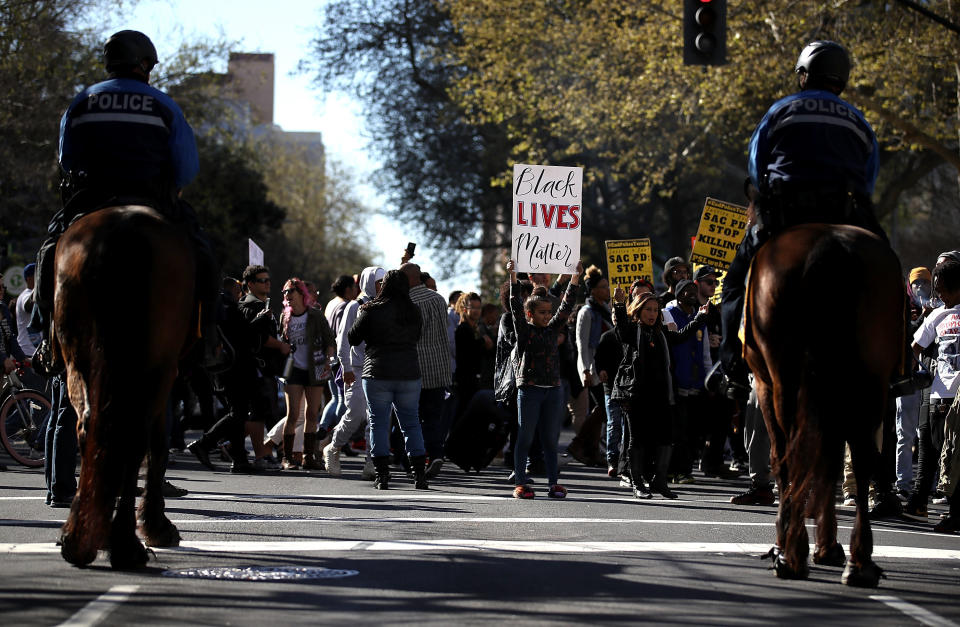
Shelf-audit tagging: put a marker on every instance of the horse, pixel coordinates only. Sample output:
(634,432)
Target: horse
(822,373)
(124,314)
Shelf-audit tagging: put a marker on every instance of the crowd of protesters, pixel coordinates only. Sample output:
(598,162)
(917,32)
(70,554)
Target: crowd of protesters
(387,368)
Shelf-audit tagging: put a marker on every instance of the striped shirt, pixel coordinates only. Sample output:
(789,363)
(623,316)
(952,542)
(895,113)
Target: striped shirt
(433,349)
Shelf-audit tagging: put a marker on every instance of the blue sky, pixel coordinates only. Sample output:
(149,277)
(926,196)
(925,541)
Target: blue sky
(284,27)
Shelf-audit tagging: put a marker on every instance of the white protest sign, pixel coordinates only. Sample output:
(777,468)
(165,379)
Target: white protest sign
(255,253)
(547,215)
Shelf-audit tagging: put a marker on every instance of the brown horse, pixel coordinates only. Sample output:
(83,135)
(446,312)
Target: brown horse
(123,315)
(822,368)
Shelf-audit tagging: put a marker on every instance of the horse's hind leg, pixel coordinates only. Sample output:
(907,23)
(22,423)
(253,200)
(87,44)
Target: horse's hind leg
(861,571)
(790,553)
(823,506)
(156,528)
(126,550)
(84,532)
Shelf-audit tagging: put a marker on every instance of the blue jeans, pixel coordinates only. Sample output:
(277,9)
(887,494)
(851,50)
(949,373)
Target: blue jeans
(538,407)
(614,430)
(61,447)
(334,410)
(908,419)
(402,395)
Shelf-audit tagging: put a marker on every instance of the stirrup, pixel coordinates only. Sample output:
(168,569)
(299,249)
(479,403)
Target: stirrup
(719,382)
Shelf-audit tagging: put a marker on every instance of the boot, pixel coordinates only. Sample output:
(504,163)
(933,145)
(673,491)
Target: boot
(659,483)
(640,489)
(289,463)
(382,464)
(369,472)
(419,472)
(310,451)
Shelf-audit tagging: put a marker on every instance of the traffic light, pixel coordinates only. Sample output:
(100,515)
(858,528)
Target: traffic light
(704,32)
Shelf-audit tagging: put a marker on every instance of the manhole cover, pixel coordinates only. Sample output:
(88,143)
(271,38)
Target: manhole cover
(260,573)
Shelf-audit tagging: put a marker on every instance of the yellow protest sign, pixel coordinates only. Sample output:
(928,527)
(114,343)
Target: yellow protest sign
(628,260)
(722,227)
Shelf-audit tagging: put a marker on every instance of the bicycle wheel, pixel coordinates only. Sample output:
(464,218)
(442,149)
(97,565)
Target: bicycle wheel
(23,418)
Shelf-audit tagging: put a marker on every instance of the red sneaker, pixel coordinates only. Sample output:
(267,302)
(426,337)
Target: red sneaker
(557,491)
(523,492)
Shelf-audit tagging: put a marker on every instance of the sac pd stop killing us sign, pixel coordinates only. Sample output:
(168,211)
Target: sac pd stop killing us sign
(547,216)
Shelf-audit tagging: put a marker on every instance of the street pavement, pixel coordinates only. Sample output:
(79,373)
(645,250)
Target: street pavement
(464,551)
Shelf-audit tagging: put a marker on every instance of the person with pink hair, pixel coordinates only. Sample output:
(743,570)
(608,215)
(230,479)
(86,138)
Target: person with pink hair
(312,345)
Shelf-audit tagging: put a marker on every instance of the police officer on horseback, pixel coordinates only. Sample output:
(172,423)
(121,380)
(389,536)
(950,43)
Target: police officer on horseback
(812,158)
(124,142)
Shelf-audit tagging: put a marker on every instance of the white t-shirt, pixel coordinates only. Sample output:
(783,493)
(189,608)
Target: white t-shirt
(943,327)
(297,333)
(28,341)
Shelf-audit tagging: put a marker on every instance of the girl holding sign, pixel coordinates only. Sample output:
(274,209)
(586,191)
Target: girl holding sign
(539,395)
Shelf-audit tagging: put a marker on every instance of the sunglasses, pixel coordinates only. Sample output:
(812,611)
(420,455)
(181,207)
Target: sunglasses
(266,280)
(289,291)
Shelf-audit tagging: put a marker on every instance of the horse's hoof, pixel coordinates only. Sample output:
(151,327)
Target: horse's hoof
(128,553)
(72,554)
(833,556)
(784,570)
(866,576)
(168,536)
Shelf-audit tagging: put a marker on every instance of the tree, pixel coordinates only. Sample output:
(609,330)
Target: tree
(437,164)
(324,233)
(41,66)
(601,83)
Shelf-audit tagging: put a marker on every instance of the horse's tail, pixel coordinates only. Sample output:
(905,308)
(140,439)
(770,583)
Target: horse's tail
(836,368)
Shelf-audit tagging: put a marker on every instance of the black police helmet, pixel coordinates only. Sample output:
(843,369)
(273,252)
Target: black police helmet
(825,62)
(128,49)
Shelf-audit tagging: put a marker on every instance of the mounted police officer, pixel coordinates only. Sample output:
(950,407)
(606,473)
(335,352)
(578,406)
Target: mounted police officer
(813,158)
(124,142)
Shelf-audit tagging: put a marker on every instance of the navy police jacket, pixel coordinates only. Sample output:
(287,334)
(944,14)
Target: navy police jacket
(124,130)
(814,137)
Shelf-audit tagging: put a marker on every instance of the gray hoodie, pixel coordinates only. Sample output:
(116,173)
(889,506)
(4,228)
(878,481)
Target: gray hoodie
(353,355)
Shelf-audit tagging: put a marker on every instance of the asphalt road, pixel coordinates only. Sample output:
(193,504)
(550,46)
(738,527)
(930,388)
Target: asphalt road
(464,551)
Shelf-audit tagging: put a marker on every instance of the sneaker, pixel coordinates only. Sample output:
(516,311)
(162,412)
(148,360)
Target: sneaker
(947,525)
(260,464)
(369,471)
(557,491)
(170,491)
(684,478)
(755,496)
(244,468)
(940,499)
(270,462)
(202,455)
(849,500)
(433,470)
(331,460)
(625,482)
(523,492)
(740,467)
(888,506)
(915,510)
(612,472)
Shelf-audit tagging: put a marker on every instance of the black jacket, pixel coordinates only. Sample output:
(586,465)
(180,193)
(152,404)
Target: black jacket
(645,372)
(391,351)
(607,358)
